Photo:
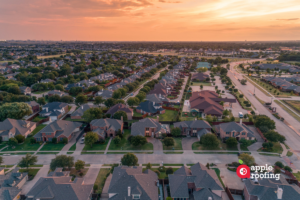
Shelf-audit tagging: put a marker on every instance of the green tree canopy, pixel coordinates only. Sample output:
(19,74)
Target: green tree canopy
(120,114)
(176,132)
(247,159)
(129,159)
(263,120)
(81,99)
(90,138)
(14,110)
(210,140)
(92,113)
(28,160)
(62,161)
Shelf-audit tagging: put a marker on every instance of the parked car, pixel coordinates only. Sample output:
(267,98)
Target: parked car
(241,115)
(82,141)
(131,94)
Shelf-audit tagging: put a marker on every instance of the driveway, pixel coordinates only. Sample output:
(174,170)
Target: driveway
(91,175)
(187,142)
(157,145)
(43,172)
(231,180)
(72,141)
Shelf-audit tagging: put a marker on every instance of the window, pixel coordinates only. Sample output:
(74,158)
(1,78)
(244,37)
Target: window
(61,139)
(136,196)
(227,133)
(243,133)
(50,139)
(147,129)
(195,131)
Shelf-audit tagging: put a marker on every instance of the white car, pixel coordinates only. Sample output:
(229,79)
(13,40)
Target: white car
(82,141)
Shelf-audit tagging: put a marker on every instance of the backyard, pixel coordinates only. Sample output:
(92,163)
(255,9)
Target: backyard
(100,180)
(169,115)
(38,118)
(162,175)
(136,114)
(26,145)
(125,145)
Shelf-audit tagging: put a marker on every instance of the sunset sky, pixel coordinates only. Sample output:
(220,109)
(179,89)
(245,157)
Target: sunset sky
(150,20)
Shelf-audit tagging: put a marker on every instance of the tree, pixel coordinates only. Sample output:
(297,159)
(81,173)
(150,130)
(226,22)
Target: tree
(129,159)
(20,138)
(176,132)
(209,140)
(81,99)
(117,140)
(32,141)
(67,99)
(279,164)
(1,160)
(228,66)
(28,160)
(226,112)
(110,102)
(243,81)
(92,113)
(65,140)
(116,94)
(148,166)
(263,120)
(247,159)
(79,165)
(287,168)
(12,141)
(62,161)
(14,110)
(75,90)
(133,101)
(41,101)
(98,100)
(138,140)
(169,170)
(267,145)
(231,142)
(59,87)
(202,69)
(14,90)
(201,87)
(168,141)
(54,98)
(274,136)
(120,114)
(91,138)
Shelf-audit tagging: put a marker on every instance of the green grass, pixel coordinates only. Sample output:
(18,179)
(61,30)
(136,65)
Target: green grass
(75,120)
(18,153)
(222,146)
(162,175)
(286,146)
(244,148)
(136,114)
(289,154)
(218,174)
(38,118)
(52,147)
(173,164)
(31,172)
(92,153)
(73,147)
(177,145)
(96,146)
(169,115)
(47,153)
(215,152)
(34,165)
(269,154)
(276,148)
(297,175)
(151,164)
(288,110)
(125,145)
(41,92)
(201,83)
(6,166)
(124,152)
(26,145)
(101,177)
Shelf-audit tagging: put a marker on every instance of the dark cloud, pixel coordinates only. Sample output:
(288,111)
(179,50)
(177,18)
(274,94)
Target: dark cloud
(291,19)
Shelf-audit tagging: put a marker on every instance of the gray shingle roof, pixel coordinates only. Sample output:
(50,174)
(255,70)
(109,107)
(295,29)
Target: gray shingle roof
(81,109)
(233,126)
(138,128)
(15,126)
(192,124)
(119,107)
(157,98)
(142,183)
(109,123)
(147,106)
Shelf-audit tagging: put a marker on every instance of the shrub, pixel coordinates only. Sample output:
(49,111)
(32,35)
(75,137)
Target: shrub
(101,140)
(65,140)
(169,170)
(264,129)
(162,169)
(279,164)
(32,141)
(20,138)
(81,174)
(287,168)
(157,172)
(54,140)
(130,138)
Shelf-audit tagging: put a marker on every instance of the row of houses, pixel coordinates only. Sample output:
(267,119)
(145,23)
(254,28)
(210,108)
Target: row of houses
(277,67)
(285,84)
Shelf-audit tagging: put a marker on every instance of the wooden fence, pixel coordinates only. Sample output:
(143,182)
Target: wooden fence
(170,108)
(261,135)
(292,179)
(246,123)
(229,193)
(42,121)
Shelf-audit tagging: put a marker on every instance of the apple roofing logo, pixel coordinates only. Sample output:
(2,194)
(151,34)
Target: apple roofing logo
(243,171)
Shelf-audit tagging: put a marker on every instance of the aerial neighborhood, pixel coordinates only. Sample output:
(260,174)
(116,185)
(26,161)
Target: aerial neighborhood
(168,121)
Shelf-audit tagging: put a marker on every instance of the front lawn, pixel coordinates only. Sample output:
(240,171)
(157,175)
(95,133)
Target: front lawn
(49,146)
(169,115)
(31,172)
(222,146)
(297,175)
(275,149)
(96,146)
(125,145)
(26,145)
(201,83)
(177,145)
(73,147)
(100,180)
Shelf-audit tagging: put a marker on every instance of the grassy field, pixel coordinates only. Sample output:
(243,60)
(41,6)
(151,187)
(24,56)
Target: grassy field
(52,147)
(169,115)
(41,92)
(177,145)
(293,104)
(200,83)
(96,146)
(297,175)
(276,148)
(125,145)
(101,177)
(287,110)
(26,145)
(73,147)
(222,146)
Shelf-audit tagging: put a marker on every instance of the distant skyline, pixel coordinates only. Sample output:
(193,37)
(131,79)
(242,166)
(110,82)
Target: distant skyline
(150,20)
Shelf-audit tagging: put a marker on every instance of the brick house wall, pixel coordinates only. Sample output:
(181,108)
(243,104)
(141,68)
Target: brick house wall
(35,108)
(149,132)
(224,135)
(184,131)
(129,115)
(109,132)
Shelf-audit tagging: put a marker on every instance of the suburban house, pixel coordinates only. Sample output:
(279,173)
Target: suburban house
(160,90)
(77,114)
(271,189)
(105,94)
(195,128)
(12,183)
(106,127)
(200,77)
(149,127)
(58,92)
(54,110)
(198,182)
(150,108)
(121,107)
(131,183)
(25,90)
(34,106)
(233,129)
(11,127)
(158,99)
(58,129)
(60,187)
(207,102)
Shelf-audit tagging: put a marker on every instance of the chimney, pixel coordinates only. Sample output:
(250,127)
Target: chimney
(241,121)
(157,118)
(195,118)
(209,198)
(121,118)
(129,191)
(279,193)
